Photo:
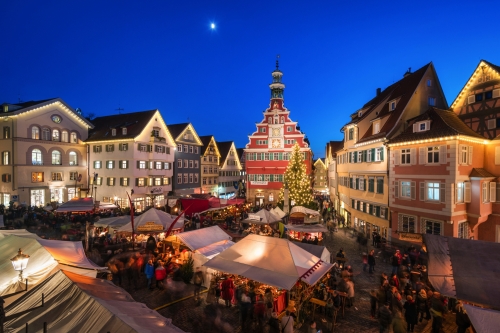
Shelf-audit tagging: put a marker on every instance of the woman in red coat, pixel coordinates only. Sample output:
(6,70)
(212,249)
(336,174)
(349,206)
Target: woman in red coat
(227,290)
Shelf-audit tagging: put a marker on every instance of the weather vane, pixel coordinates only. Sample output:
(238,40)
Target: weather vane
(277,61)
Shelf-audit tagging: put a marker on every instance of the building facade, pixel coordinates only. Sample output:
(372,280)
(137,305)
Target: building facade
(131,153)
(270,146)
(320,177)
(362,163)
(44,157)
(187,159)
(210,157)
(331,164)
(229,171)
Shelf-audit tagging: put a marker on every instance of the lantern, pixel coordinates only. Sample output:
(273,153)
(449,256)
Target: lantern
(20,262)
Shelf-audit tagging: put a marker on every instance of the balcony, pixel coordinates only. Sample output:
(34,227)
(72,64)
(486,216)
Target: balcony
(36,163)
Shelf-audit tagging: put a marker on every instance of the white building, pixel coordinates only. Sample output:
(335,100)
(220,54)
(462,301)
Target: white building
(132,153)
(229,169)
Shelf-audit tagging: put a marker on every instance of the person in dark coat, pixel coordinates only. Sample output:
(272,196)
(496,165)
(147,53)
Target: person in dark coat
(151,244)
(411,314)
(422,305)
(371,262)
(384,318)
(462,319)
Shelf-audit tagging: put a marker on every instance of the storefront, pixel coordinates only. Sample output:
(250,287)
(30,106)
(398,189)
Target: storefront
(37,197)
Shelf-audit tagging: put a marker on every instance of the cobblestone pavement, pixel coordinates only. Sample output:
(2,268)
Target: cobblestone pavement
(208,318)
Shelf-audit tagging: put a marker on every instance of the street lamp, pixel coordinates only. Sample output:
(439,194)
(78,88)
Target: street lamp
(20,262)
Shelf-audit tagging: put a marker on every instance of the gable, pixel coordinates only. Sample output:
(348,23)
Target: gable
(189,135)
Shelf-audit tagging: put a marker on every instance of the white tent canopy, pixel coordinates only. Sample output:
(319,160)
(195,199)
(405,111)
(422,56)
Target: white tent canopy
(75,303)
(197,239)
(307,227)
(77,205)
(263,216)
(304,210)
(153,220)
(69,253)
(277,211)
(113,222)
(107,205)
(18,232)
(273,261)
(483,320)
(317,250)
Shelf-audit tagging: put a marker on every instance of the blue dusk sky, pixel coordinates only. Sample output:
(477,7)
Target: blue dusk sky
(158,54)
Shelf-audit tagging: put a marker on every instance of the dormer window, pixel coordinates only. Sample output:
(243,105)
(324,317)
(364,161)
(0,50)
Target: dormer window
(113,132)
(392,105)
(155,132)
(422,126)
(124,131)
(351,133)
(376,127)
(360,113)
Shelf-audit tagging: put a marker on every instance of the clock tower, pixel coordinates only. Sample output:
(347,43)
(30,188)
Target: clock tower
(270,146)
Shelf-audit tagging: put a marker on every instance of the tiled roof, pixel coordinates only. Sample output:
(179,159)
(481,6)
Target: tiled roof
(224,148)
(480,173)
(240,152)
(176,129)
(206,141)
(401,90)
(23,105)
(495,67)
(443,123)
(135,123)
(336,146)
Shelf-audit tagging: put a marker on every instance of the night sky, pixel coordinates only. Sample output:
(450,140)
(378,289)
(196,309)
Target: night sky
(157,54)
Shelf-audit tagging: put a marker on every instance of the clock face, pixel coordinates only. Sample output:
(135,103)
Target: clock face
(276,143)
(56,119)
(276,131)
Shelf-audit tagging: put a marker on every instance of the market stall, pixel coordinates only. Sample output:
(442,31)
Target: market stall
(277,211)
(317,250)
(297,232)
(272,263)
(113,222)
(259,223)
(77,205)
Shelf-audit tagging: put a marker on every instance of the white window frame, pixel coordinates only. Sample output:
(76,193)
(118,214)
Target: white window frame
(179,178)
(408,218)
(423,226)
(460,193)
(406,153)
(432,150)
(463,230)
(485,192)
(435,191)
(405,185)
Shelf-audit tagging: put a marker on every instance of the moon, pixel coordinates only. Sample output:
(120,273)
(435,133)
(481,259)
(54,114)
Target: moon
(212,26)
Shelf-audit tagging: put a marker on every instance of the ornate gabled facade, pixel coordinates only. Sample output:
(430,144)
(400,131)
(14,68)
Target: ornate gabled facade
(478,103)
(362,162)
(229,170)
(320,177)
(132,153)
(210,157)
(187,159)
(44,156)
(331,164)
(269,147)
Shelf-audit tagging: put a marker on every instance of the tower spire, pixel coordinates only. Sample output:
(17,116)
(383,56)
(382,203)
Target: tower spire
(277,62)
(277,87)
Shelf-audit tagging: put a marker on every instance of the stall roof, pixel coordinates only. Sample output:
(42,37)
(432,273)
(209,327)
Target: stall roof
(483,320)
(317,250)
(69,253)
(75,303)
(265,216)
(279,212)
(307,227)
(77,205)
(300,209)
(153,220)
(197,239)
(113,222)
(274,261)
(465,269)
(211,250)
(18,232)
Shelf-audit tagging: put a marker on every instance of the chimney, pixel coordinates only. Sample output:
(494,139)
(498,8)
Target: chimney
(408,72)
(379,90)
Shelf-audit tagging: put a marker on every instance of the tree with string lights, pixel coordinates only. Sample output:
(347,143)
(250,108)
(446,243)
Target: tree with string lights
(297,180)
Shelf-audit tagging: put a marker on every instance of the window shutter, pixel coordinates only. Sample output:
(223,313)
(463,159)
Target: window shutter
(355,135)
(470,155)
(138,164)
(357,184)
(352,204)
(460,148)
(120,146)
(397,156)
(112,147)
(139,147)
(396,189)
(497,155)
(422,191)
(421,156)
(364,184)
(373,154)
(467,192)
(413,156)
(452,193)
(126,164)
(413,190)
(381,154)
(415,128)
(120,165)
(493,192)
(442,192)
(94,149)
(137,182)
(95,162)
(471,99)
(442,154)
(370,209)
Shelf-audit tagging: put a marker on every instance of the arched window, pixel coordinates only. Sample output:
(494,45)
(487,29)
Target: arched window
(270,120)
(36,157)
(46,134)
(282,120)
(73,158)
(56,157)
(276,119)
(35,133)
(64,136)
(74,137)
(55,135)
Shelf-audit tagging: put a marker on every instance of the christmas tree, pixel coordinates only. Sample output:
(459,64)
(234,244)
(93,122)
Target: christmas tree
(297,179)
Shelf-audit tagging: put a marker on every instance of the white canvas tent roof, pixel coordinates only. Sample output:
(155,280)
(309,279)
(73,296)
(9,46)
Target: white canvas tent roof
(197,239)
(77,205)
(306,227)
(107,205)
(75,303)
(483,320)
(69,253)
(277,211)
(113,222)
(18,232)
(274,261)
(160,220)
(212,250)
(266,217)
(317,250)
(300,209)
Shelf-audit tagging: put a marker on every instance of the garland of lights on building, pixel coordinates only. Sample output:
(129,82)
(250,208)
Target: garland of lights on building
(297,180)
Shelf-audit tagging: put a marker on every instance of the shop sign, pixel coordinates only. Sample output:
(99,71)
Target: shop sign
(311,219)
(409,236)
(172,202)
(258,182)
(157,190)
(150,226)
(254,217)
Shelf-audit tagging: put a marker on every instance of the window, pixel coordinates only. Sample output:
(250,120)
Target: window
(289,129)
(6,132)
(73,158)
(379,154)
(186,163)
(179,178)
(262,129)
(380,185)
(185,178)
(191,149)
(191,163)
(432,154)
(56,157)
(157,181)
(433,191)
(196,164)
(155,132)
(140,182)
(35,133)
(124,131)
(110,164)
(97,164)
(179,147)
(479,97)
(141,164)
(204,181)
(46,134)
(190,177)
(64,136)
(196,150)
(97,148)
(36,157)
(111,180)
(460,193)
(196,177)
(463,154)
(376,127)
(57,176)
(429,82)
(179,163)
(185,148)
(158,165)
(463,230)
(113,133)
(123,164)
(124,181)
(55,135)
(123,146)
(74,137)
(432,101)
(351,133)
(73,176)
(488,94)
(485,192)
(392,105)
(432,227)
(406,189)
(406,223)
(405,156)
(371,184)
(110,148)
(37,177)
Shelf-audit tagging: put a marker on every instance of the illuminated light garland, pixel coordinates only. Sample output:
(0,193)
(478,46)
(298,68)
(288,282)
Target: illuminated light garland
(297,179)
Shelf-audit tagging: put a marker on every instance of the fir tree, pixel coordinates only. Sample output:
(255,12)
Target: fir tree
(297,179)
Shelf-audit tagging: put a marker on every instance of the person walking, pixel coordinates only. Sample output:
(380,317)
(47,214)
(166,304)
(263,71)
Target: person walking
(371,262)
(462,319)
(287,323)
(438,309)
(373,303)
(411,314)
(384,318)
(160,275)
(422,305)
(398,324)
(395,262)
(227,290)
(198,280)
(149,271)
(274,323)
